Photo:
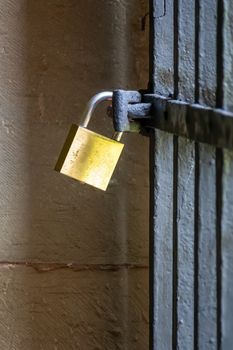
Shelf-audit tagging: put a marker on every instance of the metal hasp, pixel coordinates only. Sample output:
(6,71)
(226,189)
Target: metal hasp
(129,111)
(138,111)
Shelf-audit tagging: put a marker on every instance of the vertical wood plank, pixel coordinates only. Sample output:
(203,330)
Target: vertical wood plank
(186,181)
(162,181)
(228,55)
(206,249)
(206,54)
(163,243)
(205,216)
(162,50)
(227,255)
(227,198)
(185,234)
(186,49)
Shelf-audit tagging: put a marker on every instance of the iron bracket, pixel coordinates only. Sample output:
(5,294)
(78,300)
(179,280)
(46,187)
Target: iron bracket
(129,111)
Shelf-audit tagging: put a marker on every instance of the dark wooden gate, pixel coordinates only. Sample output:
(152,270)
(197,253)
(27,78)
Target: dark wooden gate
(192,174)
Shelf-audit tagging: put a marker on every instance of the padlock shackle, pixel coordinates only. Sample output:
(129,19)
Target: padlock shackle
(117,135)
(93,102)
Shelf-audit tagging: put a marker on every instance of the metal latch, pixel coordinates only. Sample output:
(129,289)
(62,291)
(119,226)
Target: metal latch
(131,111)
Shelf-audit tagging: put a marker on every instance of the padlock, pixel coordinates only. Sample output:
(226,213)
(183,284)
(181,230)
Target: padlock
(87,156)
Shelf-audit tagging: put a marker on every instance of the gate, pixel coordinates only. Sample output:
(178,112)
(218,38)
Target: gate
(191,242)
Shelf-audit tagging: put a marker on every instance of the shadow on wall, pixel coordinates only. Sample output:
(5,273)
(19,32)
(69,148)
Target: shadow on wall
(75,259)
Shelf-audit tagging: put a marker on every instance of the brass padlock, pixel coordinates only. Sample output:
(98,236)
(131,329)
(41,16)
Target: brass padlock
(87,156)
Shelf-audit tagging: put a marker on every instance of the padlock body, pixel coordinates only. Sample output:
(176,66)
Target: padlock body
(89,157)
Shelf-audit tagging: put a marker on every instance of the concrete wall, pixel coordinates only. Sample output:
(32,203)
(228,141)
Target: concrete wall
(73,260)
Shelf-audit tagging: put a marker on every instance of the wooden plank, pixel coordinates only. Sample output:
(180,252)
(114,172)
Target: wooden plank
(228,55)
(161,244)
(186,49)
(162,51)
(185,244)
(205,215)
(186,181)
(226,306)
(206,51)
(206,249)
(226,253)
(163,241)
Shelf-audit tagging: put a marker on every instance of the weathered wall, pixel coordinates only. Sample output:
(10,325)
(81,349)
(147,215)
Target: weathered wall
(72,259)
